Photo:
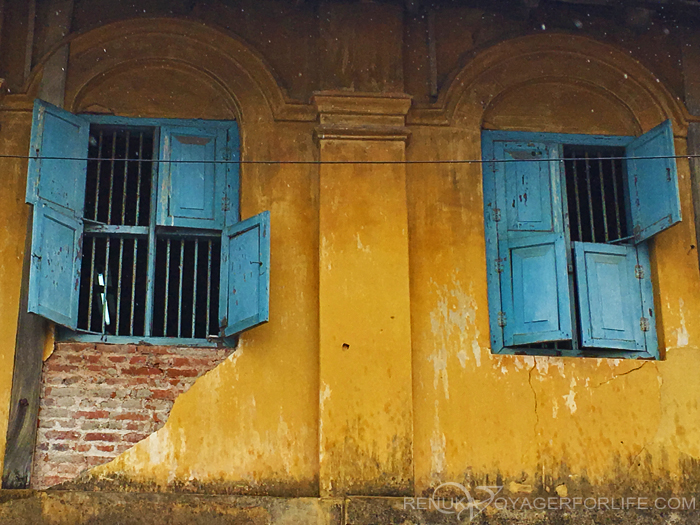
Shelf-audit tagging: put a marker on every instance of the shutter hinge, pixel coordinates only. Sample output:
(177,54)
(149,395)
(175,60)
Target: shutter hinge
(226,154)
(496,214)
(644,324)
(499,265)
(668,174)
(502,319)
(639,271)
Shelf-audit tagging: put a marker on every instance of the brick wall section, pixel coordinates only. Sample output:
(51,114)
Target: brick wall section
(99,400)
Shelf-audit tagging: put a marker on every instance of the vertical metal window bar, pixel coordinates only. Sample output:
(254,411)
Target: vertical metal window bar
(590,196)
(578,200)
(602,196)
(620,233)
(208,286)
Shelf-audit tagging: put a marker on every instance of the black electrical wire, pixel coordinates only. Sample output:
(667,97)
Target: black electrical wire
(332,162)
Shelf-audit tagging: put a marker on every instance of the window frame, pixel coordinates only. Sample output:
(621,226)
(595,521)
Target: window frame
(65,334)
(56,192)
(489,138)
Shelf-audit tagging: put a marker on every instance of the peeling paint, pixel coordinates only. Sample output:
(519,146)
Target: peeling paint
(570,397)
(682,330)
(360,246)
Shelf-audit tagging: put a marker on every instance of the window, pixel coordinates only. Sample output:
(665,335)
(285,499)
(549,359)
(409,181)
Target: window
(568,218)
(136,234)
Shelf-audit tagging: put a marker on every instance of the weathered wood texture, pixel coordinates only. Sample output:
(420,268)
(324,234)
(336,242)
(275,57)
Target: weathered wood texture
(26,383)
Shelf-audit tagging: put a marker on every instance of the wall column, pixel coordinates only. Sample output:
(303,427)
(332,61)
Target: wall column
(366,414)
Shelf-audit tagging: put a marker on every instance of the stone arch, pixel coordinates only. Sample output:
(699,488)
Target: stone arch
(233,73)
(570,61)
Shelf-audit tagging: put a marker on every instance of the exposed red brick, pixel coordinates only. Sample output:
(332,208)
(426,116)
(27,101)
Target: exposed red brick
(134,437)
(184,372)
(62,434)
(124,392)
(95,414)
(98,460)
(64,368)
(141,371)
(164,394)
(132,416)
(101,436)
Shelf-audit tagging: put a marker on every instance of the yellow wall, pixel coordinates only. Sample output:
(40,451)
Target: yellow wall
(440,405)
(14,140)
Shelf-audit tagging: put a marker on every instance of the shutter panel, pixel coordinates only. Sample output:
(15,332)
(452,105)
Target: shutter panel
(56,188)
(54,275)
(532,264)
(527,186)
(535,289)
(192,191)
(611,298)
(245,275)
(653,183)
(57,134)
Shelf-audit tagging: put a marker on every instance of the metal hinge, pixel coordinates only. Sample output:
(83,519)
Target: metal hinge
(639,271)
(502,319)
(668,174)
(499,265)
(644,324)
(226,154)
(496,214)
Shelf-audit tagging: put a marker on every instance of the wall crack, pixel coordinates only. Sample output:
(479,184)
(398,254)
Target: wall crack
(622,374)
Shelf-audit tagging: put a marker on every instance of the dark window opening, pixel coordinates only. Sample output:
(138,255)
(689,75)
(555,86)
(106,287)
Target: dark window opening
(119,176)
(595,190)
(186,288)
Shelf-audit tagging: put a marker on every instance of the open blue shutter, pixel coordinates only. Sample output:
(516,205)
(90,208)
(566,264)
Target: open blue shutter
(653,182)
(532,256)
(56,188)
(245,275)
(192,191)
(615,299)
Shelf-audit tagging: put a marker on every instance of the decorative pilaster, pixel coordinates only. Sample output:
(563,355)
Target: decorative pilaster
(366,414)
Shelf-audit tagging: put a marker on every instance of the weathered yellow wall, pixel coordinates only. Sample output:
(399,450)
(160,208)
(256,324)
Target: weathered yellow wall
(535,423)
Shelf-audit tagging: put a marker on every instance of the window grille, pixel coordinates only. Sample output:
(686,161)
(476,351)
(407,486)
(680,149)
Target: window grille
(137,280)
(595,190)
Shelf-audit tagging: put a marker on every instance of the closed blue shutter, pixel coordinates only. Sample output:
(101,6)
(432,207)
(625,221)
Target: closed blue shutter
(193,188)
(245,275)
(615,299)
(56,188)
(535,290)
(653,182)
(532,263)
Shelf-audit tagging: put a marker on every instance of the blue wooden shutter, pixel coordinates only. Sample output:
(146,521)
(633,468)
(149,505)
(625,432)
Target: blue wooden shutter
(532,268)
(535,290)
(653,183)
(56,188)
(615,297)
(245,275)
(193,189)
